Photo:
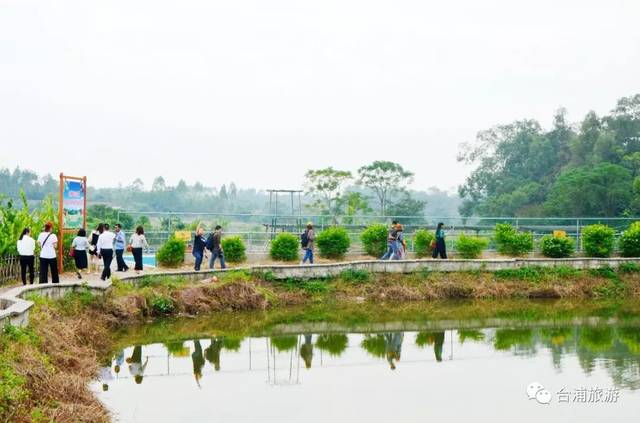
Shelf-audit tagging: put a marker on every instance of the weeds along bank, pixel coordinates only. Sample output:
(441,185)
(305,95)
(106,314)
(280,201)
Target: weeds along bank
(47,366)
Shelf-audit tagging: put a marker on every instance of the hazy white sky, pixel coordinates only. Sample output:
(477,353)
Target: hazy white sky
(258,91)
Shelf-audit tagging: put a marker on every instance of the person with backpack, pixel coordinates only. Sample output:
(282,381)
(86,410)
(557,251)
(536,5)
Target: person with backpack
(392,245)
(214,244)
(307,240)
(401,244)
(198,248)
(440,247)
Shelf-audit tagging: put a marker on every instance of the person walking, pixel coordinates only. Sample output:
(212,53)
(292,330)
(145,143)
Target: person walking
(105,250)
(392,246)
(401,243)
(93,243)
(138,242)
(441,247)
(79,246)
(48,242)
(198,247)
(308,243)
(120,243)
(214,244)
(26,248)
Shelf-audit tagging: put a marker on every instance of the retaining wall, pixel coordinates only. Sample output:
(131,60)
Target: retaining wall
(14,308)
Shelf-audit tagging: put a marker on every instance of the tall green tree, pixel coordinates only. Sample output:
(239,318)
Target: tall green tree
(385,179)
(326,186)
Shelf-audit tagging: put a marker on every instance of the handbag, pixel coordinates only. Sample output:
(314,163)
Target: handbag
(129,248)
(72,252)
(433,244)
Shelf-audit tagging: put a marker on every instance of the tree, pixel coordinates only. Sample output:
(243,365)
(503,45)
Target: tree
(354,204)
(101,213)
(137,185)
(223,193)
(406,205)
(158,184)
(384,178)
(327,186)
(603,190)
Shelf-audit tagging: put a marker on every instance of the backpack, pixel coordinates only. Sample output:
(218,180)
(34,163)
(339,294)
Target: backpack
(209,243)
(304,239)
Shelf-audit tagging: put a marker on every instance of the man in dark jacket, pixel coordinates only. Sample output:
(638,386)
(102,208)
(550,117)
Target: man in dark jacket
(214,245)
(198,247)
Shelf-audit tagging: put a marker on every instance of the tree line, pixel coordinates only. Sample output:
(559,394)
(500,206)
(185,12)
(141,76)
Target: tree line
(591,168)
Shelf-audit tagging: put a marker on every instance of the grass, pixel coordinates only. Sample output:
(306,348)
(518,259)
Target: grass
(355,276)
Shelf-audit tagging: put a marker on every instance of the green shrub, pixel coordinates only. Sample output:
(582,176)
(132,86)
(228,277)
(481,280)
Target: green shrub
(355,276)
(629,242)
(374,239)
(470,247)
(234,249)
(598,240)
(422,242)
(629,268)
(171,254)
(161,305)
(333,242)
(511,242)
(285,247)
(556,246)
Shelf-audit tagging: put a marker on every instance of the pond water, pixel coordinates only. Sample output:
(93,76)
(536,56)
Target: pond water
(577,369)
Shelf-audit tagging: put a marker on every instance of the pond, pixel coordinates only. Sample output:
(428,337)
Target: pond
(574,368)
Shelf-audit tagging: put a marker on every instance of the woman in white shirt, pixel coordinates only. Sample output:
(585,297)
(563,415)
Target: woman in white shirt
(80,245)
(137,242)
(48,242)
(26,248)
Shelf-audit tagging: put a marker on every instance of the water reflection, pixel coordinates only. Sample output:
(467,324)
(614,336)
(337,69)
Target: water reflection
(614,348)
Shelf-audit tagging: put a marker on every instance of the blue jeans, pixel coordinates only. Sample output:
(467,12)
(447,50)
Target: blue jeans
(198,256)
(392,250)
(214,255)
(308,255)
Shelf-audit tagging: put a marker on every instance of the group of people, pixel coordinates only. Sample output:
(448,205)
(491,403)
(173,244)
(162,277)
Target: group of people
(102,246)
(397,245)
(213,244)
(48,243)
(105,244)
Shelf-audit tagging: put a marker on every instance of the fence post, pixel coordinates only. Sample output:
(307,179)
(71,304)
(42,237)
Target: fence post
(578,243)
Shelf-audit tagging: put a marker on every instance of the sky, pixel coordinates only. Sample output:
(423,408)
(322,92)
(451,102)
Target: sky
(257,92)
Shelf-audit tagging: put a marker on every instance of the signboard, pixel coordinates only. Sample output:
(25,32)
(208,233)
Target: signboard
(73,204)
(72,209)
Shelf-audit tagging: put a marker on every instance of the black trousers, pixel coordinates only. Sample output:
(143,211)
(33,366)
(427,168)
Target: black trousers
(120,261)
(45,264)
(137,257)
(26,262)
(441,249)
(107,258)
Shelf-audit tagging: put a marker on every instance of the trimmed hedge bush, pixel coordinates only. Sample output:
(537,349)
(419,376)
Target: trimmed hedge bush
(374,239)
(234,249)
(333,242)
(511,242)
(598,240)
(630,241)
(422,242)
(556,246)
(171,254)
(470,247)
(285,247)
